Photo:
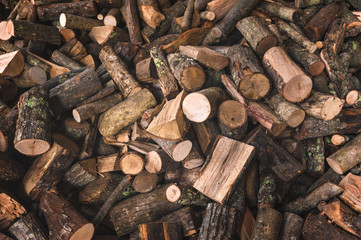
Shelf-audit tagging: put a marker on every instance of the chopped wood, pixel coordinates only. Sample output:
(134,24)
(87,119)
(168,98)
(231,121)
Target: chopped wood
(292,226)
(113,17)
(150,13)
(145,182)
(30,77)
(351,194)
(160,231)
(11,211)
(280,10)
(129,12)
(146,71)
(11,64)
(28,227)
(268,224)
(77,22)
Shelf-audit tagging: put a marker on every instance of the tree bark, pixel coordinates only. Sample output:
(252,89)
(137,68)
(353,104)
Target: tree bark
(7,129)
(280,11)
(77,22)
(268,224)
(28,228)
(206,133)
(314,154)
(129,12)
(65,61)
(292,227)
(335,35)
(11,211)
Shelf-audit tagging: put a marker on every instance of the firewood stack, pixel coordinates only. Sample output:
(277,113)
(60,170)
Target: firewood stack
(195,119)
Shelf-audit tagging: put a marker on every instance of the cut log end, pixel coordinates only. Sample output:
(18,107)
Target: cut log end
(193,163)
(265,44)
(335,166)
(316,68)
(297,89)
(153,162)
(38,75)
(4,35)
(254,86)
(331,108)
(76,116)
(32,147)
(232,114)
(173,193)
(352,97)
(131,164)
(10,28)
(193,78)
(62,20)
(338,139)
(196,107)
(84,233)
(181,150)
(296,118)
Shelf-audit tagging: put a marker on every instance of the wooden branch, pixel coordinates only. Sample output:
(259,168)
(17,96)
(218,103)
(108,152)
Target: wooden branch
(335,35)
(292,226)
(77,22)
(28,227)
(268,224)
(280,11)
(30,77)
(65,61)
(353,98)
(220,8)
(129,12)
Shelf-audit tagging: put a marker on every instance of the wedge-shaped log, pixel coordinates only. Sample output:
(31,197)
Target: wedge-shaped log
(11,64)
(351,195)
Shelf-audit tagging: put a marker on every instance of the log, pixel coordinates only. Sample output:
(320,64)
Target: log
(131,163)
(248,73)
(30,77)
(314,156)
(268,224)
(33,31)
(206,133)
(88,145)
(56,81)
(346,157)
(217,177)
(206,56)
(145,182)
(292,114)
(202,105)
(52,11)
(186,196)
(351,184)
(177,150)
(142,208)
(59,213)
(201,4)
(77,22)
(220,8)
(108,35)
(113,17)
(119,72)
(318,227)
(28,227)
(11,211)
(11,64)
(219,222)
(160,231)
(291,82)
(7,129)
(292,226)
(353,98)
(306,4)
(322,106)
(49,168)
(258,36)
(232,119)
(189,74)
(170,123)
(32,135)
(159,162)
(280,11)
(149,12)
(71,92)
(65,61)
(195,158)
(266,196)
(79,175)
(76,131)
(129,12)
(166,79)
(323,193)
(207,16)
(335,35)
(146,71)
(316,28)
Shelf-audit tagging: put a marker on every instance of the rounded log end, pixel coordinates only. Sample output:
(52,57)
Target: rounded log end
(232,113)
(255,86)
(173,193)
(296,118)
(196,107)
(4,34)
(145,182)
(331,108)
(131,163)
(181,150)
(352,97)
(38,75)
(335,166)
(193,163)
(338,139)
(153,162)
(297,89)
(85,232)
(62,20)
(110,21)
(193,78)
(76,116)
(4,145)
(32,147)
(316,68)
(265,44)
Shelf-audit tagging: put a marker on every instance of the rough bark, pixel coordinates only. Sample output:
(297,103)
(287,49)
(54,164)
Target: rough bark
(11,211)
(28,228)
(314,156)
(268,224)
(292,227)
(129,12)
(77,22)
(279,10)
(65,61)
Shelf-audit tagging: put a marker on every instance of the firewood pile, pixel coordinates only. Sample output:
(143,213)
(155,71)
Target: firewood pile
(196,119)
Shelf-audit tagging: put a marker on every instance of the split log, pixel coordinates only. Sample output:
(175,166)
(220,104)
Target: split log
(318,227)
(149,12)
(88,146)
(288,112)
(113,17)
(108,35)
(217,178)
(11,211)
(335,35)
(247,225)
(281,162)
(292,226)
(351,184)
(202,105)
(142,208)
(28,228)
(291,82)
(258,36)
(71,92)
(166,79)
(11,64)
(219,222)
(220,8)
(322,106)
(170,123)
(52,11)
(311,62)
(129,12)
(159,162)
(77,22)
(268,224)
(316,28)
(341,215)
(346,157)
(7,129)
(146,71)
(232,119)
(160,231)
(119,72)
(314,155)
(32,135)
(206,133)
(262,113)
(207,16)
(205,56)
(247,72)
(33,31)
(353,98)
(59,214)
(189,74)
(65,61)
(323,193)
(30,77)
(279,10)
